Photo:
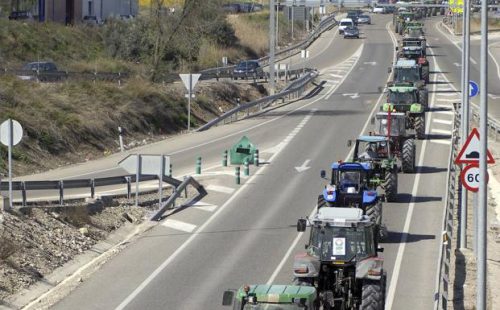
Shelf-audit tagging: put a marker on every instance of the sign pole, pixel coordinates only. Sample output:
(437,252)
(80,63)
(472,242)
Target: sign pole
(190,89)
(465,113)
(483,116)
(137,177)
(11,142)
(272,47)
(160,179)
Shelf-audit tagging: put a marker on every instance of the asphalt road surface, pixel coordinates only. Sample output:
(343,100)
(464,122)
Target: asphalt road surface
(246,234)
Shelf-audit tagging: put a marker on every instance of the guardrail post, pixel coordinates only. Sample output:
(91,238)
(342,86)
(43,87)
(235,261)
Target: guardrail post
(198,165)
(256,158)
(119,79)
(237,173)
(224,159)
(170,171)
(23,192)
(246,170)
(61,193)
(185,188)
(129,187)
(92,188)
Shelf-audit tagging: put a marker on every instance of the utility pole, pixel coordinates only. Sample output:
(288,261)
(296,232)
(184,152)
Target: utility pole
(272,48)
(277,22)
(465,112)
(483,134)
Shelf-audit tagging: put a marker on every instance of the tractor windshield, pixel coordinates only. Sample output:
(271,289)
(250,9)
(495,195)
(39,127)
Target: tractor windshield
(401,97)
(342,243)
(411,74)
(396,128)
(372,150)
(411,43)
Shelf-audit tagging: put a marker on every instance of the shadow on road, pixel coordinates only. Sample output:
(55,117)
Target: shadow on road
(395,237)
(438,72)
(439,109)
(428,169)
(438,83)
(437,137)
(444,92)
(407,198)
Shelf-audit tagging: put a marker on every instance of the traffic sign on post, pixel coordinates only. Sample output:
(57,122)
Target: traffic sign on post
(473,89)
(470,177)
(189,81)
(470,152)
(11,133)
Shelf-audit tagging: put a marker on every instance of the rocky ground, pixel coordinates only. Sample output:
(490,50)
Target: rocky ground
(36,241)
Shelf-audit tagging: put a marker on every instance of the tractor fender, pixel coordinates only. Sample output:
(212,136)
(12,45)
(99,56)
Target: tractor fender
(416,108)
(329,198)
(370,268)
(369,197)
(306,266)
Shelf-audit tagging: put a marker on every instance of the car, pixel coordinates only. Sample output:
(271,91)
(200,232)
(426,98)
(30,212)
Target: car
(37,66)
(378,9)
(364,19)
(351,32)
(21,15)
(248,68)
(344,23)
(92,20)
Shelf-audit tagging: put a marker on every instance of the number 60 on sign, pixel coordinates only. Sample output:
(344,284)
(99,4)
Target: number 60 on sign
(470,177)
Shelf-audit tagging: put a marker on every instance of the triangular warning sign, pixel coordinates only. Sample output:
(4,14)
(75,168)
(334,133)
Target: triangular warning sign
(186,77)
(470,152)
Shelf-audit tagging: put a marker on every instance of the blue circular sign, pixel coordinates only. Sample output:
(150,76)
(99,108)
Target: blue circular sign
(473,89)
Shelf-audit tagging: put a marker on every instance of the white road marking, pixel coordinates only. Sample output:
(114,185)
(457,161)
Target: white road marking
(368,121)
(203,206)
(178,225)
(305,166)
(448,94)
(373,63)
(441,131)
(442,121)
(493,96)
(356,55)
(336,75)
(446,100)
(439,141)
(220,189)
(494,59)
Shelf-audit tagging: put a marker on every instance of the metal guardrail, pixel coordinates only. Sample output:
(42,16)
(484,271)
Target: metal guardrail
(295,89)
(452,181)
(57,76)
(323,26)
(493,124)
(91,184)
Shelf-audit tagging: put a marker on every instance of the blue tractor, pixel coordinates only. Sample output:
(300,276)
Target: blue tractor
(351,186)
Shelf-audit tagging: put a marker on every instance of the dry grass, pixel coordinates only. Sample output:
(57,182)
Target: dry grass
(211,55)
(252,30)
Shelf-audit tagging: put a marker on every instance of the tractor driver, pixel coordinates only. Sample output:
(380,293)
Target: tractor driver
(349,181)
(382,149)
(369,153)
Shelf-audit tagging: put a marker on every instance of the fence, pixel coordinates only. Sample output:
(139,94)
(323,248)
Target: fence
(295,89)
(91,184)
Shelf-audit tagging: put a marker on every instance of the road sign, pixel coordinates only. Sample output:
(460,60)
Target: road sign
(470,177)
(469,154)
(473,89)
(17,132)
(186,80)
(149,164)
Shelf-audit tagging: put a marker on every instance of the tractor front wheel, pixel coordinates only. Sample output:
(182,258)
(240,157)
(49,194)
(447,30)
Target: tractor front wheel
(391,185)
(420,126)
(372,295)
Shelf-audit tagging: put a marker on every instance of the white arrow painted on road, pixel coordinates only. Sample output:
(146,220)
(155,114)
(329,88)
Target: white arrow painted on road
(493,96)
(304,166)
(457,64)
(373,63)
(352,95)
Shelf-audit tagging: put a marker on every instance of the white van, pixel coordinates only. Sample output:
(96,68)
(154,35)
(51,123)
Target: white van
(344,23)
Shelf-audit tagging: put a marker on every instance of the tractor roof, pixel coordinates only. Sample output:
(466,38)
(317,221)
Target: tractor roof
(402,89)
(279,293)
(406,63)
(372,138)
(352,166)
(339,214)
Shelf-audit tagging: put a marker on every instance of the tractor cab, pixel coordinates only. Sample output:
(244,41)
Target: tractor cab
(271,297)
(396,121)
(410,71)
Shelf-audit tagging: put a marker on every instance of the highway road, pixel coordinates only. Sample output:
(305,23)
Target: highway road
(246,234)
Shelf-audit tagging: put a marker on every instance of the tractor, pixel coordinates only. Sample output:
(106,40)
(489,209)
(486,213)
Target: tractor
(400,19)
(376,150)
(393,125)
(405,99)
(407,72)
(342,260)
(272,297)
(351,185)
(417,53)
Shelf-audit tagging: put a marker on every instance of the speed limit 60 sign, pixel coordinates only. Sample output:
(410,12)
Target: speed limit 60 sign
(470,177)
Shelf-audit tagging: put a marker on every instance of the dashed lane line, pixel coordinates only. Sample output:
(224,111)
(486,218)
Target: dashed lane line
(178,225)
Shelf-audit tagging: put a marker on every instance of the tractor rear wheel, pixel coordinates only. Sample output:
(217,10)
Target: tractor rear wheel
(408,155)
(423,98)
(372,295)
(420,126)
(391,185)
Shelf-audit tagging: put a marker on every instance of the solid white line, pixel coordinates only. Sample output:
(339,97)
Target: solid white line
(220,189)
(494,59)
(178,225)
(368,121)
(442,131)
(446,142)
(442,121)
(169,260)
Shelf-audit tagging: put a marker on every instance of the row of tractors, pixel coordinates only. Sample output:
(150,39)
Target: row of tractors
(341,268)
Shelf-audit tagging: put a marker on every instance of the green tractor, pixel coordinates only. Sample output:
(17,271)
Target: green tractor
(400,19)
(393,125)
(342,260)
(377,150)
(272,297)
(405,99)
(410,72)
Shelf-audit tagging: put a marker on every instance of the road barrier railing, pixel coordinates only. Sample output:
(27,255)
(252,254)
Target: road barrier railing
(493,124)
(23,187)
(295,89)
